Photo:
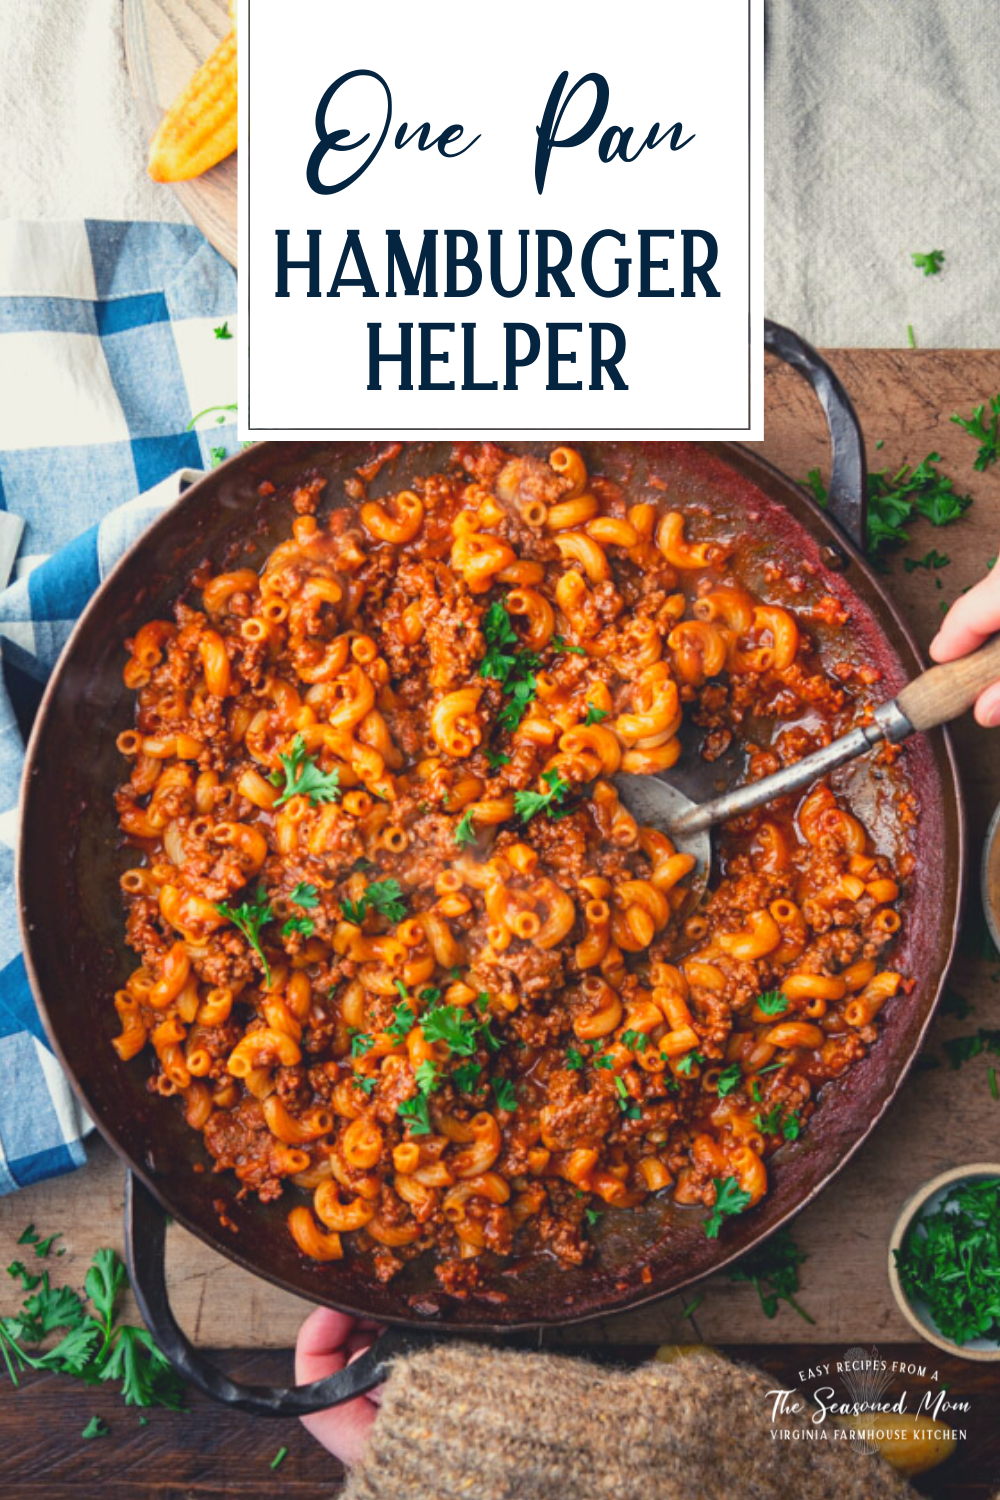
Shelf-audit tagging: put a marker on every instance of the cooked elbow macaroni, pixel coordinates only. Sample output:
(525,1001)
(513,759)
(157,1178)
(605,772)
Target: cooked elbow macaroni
(405,956)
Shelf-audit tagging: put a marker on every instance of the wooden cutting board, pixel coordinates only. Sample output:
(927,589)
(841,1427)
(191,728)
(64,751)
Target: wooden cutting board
(942,1118)
(165,41)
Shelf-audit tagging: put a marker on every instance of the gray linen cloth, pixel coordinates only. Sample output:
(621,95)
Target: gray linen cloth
(882,137)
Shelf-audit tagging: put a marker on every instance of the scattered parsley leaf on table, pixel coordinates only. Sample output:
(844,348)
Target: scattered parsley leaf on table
(93,1346)
(222,332)
(95,1428)
(930,561)
(930,263)
(773,1270)
(985,431)
(814,481)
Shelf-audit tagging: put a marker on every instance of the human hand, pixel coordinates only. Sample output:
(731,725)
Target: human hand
(971,620)
(327,1342)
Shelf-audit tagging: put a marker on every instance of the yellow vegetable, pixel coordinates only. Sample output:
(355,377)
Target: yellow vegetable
(915,1449)
(199,128)
(667,1353)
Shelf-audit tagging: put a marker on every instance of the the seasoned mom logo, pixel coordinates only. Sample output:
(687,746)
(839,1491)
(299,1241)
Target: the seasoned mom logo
(851,1400)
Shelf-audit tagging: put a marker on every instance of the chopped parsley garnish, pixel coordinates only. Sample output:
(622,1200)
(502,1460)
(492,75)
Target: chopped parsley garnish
(770,1123)
(635,1041)
(427,1076)
(687,1062)
(93,1346)
(495,759)
(452,1025)
(218,456)
(304,925)
(250,917)
(772,1003)
(574,1059)
(605,1060)
(222,332)
(514,670)
(416,1113)
(593,1216)
(730,1079)
(985,430)
(562,647)
(730,1198)
(930,263)
(366,1085)
(950,1260)
(361,1042)
(383,896)
(774,1271)
(504,1093)
(466,1077)
(465,833)
(528,804)
(482,1001)
(305,895)
(626,1103)
(303,777)
(791,1127)
(403,1021)
(595,714)
(279,1458)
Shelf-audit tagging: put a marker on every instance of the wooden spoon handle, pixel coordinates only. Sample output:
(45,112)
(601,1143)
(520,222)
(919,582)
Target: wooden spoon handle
(944,692)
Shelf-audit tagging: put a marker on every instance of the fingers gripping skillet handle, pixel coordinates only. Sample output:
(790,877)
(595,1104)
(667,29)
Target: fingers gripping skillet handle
(145,1244)
(847,492)
(944,692)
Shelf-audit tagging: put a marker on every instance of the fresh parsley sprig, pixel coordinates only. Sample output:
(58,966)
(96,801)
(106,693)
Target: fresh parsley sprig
(384,896)
(730,1198)
(93,1346)
(250,917)
(303,777)
(528,804)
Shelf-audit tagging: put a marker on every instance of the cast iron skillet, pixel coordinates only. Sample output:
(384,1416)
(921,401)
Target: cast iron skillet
(72,929)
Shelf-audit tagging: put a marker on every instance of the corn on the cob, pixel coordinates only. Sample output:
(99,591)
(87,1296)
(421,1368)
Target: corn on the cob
(916,1448)
(199,128)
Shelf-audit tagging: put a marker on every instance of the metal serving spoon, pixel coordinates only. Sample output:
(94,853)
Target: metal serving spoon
(935,697)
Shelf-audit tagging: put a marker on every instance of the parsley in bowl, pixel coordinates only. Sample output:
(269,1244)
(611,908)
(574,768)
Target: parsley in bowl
(944,1261)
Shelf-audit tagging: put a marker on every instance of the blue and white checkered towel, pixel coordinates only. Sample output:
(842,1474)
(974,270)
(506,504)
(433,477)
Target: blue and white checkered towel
(108,350)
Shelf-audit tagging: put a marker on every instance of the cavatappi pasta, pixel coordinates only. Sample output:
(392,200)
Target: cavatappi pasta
(405,957)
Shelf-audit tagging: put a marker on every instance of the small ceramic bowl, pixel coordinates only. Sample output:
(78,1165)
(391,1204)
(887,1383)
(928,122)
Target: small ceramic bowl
(915,1311)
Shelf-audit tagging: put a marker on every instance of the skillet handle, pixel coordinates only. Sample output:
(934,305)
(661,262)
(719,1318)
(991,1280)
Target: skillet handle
(848,490)
(145,1243)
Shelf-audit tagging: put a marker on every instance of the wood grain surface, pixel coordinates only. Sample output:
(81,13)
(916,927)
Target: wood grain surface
(942,1118)
(207,1452)
(165,41)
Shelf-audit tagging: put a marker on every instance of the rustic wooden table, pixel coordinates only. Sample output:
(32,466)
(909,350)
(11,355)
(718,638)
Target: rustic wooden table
(942,1118)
